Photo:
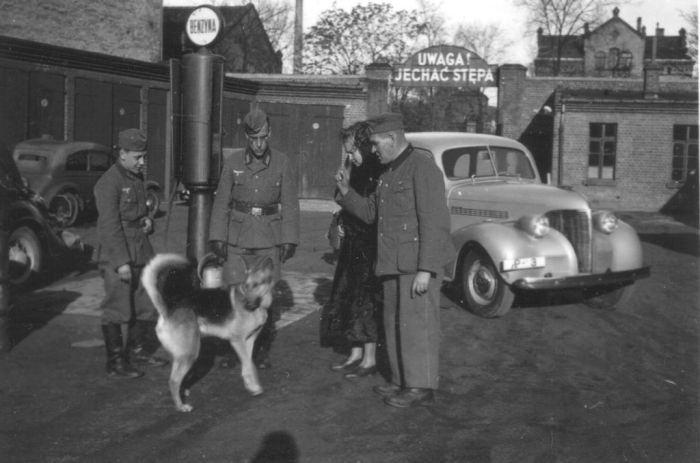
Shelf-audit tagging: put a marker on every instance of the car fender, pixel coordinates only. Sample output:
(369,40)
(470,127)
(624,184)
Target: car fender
(152,185)
(59,188)
(617,251)
(505,241)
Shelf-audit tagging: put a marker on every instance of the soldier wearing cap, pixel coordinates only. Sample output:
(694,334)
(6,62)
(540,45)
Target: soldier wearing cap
(413,245)
(255,213)
(123,226)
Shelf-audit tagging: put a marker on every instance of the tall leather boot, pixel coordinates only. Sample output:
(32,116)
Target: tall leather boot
(117,364)
(141,342)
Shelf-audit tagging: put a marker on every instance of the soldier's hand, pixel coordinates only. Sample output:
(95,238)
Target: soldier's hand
(124,272)
(219,249)
(147,227)
(420,283)
(287,251)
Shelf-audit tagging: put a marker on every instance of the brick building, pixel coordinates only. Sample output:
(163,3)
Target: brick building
(614,49)
(109,73)
(625,137)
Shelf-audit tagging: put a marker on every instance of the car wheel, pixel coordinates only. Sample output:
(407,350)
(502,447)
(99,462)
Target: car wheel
(25,256)
(608,298)
(484,292)
(152,201)
(65,208)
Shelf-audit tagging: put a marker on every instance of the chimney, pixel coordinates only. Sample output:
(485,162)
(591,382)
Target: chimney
(652,73)
(639,24)
(659,31)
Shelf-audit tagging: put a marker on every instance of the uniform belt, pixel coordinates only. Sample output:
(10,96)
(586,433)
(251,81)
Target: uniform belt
(269,209)
(132,224)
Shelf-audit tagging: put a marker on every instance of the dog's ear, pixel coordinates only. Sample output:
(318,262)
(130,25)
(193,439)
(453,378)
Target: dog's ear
(261,270)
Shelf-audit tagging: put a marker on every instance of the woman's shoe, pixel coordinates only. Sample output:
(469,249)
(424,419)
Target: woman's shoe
(361,372)
(341,367)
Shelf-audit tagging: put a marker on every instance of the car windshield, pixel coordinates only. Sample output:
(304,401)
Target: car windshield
(485,161)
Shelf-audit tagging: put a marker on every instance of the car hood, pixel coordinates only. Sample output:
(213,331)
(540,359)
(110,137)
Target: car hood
(513,199)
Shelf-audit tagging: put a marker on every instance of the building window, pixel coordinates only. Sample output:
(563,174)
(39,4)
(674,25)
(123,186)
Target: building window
(600,58)
(601,152)
(685,151)
(625,60)
(613,58)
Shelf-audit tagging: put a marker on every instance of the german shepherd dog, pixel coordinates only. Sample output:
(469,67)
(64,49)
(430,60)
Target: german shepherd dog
(187,312)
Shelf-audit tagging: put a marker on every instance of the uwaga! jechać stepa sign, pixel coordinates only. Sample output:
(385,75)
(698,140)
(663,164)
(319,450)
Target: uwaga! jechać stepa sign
(444,66)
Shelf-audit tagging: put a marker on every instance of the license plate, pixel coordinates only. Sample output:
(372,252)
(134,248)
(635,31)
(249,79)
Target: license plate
(522,263)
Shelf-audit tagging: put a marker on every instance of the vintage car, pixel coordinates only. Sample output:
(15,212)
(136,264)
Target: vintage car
(64,173)
(514,234)
(35,243)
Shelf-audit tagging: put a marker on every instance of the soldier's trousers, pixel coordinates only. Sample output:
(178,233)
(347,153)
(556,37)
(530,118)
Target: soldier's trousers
(125,301)
(412,329)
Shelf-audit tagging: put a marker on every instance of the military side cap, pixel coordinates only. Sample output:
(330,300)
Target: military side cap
(132,140)
(386,122)
(255,121)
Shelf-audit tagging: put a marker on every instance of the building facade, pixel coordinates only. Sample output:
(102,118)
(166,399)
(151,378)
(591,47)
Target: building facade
(623,135)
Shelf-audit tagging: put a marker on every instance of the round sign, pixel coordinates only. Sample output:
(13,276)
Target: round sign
(203,26)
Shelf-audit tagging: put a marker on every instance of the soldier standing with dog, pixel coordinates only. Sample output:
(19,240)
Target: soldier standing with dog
(123,227)
(413,245)
(255,214)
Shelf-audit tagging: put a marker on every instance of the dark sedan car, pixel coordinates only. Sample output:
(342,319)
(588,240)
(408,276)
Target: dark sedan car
(34,240)
(64,173)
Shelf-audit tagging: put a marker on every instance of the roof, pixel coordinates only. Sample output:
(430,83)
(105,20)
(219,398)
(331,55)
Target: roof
(627,95)
(441,141)
(667,47)
(572,46)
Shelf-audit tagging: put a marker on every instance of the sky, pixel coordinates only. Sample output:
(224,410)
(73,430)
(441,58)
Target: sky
(503,12)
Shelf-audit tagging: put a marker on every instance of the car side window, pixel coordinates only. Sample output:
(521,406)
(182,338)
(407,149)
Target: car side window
(77,161)
(99,162)
(466,162)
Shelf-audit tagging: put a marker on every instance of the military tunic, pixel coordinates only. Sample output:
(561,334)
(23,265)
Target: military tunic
(120,196)
(267,184)
(413,225)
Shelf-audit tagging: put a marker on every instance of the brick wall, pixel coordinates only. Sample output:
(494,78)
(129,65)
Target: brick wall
(643,163)
(645,132)
(125,28)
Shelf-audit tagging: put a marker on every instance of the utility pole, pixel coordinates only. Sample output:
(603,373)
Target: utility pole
(298,36)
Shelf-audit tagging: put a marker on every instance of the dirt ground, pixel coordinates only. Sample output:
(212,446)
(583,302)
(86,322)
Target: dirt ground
(547,383)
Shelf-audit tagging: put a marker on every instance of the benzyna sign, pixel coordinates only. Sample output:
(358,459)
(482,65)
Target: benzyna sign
(444,65)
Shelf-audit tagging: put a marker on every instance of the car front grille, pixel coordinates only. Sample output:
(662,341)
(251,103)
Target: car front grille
(576,227)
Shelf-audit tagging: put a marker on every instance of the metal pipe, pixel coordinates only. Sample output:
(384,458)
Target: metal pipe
(200,127)
(5,339)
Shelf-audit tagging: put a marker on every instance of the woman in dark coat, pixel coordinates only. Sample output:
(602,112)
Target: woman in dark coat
(351,319)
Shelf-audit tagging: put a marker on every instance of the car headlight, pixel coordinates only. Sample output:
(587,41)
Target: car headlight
(605,221)
(534,225)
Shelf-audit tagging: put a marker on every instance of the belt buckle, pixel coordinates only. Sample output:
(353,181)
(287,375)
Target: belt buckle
(256,211)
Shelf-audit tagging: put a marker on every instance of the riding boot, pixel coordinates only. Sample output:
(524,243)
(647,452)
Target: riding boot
(117,363)
(141,342)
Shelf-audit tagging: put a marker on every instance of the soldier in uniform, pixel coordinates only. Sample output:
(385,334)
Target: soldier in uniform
(123,226)
(413,245)
(255,214)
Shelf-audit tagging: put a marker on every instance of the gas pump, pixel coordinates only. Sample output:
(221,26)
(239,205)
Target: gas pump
(198,131)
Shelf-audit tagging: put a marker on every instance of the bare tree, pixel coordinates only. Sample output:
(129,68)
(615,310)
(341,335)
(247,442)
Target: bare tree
(561,20)
(277,17)
(489,41)
(434,29)
(691,17)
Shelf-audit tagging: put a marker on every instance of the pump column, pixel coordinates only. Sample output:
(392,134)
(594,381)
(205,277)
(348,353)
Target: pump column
(202,83)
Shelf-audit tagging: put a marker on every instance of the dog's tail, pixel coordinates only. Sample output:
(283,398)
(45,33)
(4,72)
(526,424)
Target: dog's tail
(167,277)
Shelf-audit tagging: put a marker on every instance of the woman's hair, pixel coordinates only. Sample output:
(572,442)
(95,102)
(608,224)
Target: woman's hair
(360,133)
